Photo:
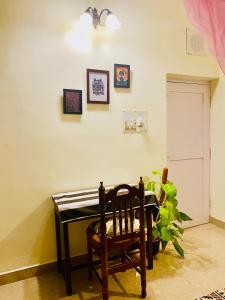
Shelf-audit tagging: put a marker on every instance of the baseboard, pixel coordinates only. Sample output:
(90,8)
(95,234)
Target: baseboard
(217,222)
(24,273)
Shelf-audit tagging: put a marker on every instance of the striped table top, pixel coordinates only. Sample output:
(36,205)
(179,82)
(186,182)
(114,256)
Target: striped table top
(84,204)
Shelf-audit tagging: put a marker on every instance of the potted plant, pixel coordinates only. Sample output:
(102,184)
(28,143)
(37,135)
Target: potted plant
(166,227)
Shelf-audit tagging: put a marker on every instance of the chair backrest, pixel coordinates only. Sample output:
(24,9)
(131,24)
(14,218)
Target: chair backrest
(122,200)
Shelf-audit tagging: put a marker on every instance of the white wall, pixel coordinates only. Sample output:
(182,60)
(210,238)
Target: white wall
(43,151)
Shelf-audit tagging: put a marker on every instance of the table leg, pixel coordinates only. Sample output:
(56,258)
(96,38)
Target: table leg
(58,242)
(67,268)
(149,238)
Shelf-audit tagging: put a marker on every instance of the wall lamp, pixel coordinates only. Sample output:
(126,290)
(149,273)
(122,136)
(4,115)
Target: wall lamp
(91,17)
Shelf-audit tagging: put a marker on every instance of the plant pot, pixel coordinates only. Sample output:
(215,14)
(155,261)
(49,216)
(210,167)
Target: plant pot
(156,244)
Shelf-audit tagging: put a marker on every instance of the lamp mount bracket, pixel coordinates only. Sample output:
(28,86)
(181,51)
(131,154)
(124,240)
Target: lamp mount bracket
(95,16)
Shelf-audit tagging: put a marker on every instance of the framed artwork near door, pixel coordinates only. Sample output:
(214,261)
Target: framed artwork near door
(97,86)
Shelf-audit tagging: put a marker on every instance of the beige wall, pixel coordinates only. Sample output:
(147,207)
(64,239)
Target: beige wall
(43,151)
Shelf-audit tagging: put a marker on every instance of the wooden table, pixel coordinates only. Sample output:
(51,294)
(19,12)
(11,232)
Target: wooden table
(81,205)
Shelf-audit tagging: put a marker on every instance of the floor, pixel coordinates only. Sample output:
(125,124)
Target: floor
(202,271)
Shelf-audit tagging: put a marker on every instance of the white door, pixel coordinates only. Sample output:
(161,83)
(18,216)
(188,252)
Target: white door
(188,147)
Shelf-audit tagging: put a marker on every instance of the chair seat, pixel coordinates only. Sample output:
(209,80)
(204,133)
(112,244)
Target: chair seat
(109,226)
(93,232)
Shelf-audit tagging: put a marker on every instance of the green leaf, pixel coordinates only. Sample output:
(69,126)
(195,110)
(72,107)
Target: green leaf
(174,232)
(178,248)
(181,230)
(169,189)
(156,172)
(169,181)
(164,234)
(178,216)
(164,244)
(171,206)
(173,201)
(164,215)
(185,217)
(151,186)
(155,233)
(164,212)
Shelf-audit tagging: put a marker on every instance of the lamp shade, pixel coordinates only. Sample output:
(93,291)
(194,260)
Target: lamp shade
(86,21)
(112,23)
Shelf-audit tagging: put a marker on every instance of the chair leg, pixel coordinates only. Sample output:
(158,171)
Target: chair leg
(122,254)
(104,262)
(143,282)
(143,270)
(90,261)
(143,289)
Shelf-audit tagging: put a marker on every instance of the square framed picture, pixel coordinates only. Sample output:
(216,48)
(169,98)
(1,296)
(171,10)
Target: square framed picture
(97,86)
(121,76)
(72,101)
(135,121)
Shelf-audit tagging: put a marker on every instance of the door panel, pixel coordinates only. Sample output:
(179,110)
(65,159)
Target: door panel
(185,119)
(188,147)
(187,176)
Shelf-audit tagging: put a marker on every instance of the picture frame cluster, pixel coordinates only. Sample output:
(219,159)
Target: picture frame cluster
(98,88)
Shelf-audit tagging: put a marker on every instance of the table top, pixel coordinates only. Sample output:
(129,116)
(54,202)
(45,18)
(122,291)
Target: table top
(84,204)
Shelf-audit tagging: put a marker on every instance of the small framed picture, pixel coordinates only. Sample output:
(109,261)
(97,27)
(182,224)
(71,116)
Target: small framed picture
(135,121)
(121,76)
(97,86)
(72,101)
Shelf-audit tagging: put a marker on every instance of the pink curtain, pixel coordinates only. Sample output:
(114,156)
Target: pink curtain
(208,16)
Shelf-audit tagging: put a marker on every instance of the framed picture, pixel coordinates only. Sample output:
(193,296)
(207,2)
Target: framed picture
(72,101)
(97,86)
(135,121)
(121,76)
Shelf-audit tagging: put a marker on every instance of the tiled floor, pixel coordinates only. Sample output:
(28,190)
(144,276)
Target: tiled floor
(202,271)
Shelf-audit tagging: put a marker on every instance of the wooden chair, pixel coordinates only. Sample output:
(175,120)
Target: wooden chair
(123,234)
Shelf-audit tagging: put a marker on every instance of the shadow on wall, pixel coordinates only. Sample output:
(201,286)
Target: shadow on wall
(98,107)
